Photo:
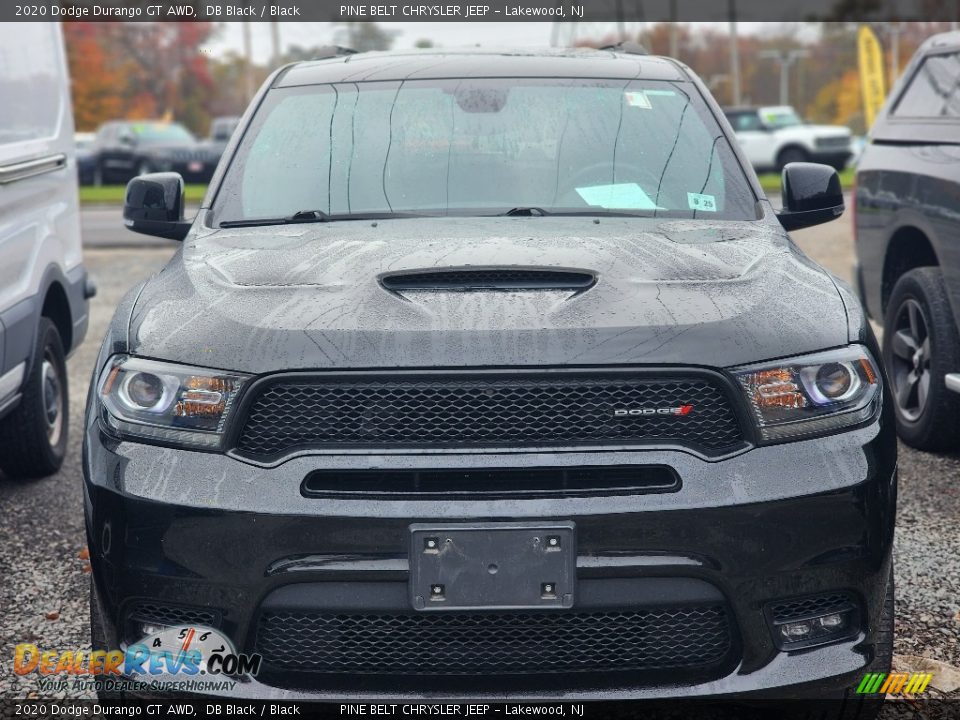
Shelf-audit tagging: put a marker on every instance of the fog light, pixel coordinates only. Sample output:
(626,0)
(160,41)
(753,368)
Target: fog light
(147,629)
(797,630)
(832,622)
(803,622)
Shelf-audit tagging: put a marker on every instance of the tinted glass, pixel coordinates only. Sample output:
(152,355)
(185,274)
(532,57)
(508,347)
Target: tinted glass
(780,117)
(155,132)
(933,91)
(482,147)
(745,122)
(30,82)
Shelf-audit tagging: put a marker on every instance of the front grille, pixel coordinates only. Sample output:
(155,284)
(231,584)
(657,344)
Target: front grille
(190,154)
(833,142)
(493,410)
(689,637)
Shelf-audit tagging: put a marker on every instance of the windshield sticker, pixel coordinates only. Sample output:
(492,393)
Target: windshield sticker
(620,196)
(638,99)
(660,93)
(704,203)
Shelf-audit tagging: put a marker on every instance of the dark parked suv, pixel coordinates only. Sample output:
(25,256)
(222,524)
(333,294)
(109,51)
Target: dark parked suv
(124,149)
(494,374)
(907,228)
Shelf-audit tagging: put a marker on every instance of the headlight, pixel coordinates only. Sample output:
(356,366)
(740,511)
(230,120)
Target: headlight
(166,402)
(812,394)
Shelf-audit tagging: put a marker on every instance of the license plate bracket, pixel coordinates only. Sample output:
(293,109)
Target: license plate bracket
(488,566)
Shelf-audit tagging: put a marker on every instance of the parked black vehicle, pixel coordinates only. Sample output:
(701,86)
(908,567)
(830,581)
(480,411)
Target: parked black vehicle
(221,130)
(908,257)
(496,374)
(86,157)
(127,148)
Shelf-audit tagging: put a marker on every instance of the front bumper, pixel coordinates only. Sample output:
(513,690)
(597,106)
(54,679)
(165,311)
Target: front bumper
(830,156)
(199,170)
(208,531)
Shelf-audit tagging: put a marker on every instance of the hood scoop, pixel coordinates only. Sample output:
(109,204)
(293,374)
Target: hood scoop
(471,279)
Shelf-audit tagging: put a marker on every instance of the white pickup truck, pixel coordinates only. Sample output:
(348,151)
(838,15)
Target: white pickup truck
(773,136)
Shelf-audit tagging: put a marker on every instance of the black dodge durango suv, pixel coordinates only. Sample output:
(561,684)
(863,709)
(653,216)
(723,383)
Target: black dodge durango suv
(494,374)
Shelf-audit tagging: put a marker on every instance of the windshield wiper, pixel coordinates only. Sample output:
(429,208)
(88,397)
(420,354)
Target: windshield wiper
(302,216)
(317,216)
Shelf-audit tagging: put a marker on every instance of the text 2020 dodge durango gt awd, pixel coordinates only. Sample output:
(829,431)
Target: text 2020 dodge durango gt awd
(495,374)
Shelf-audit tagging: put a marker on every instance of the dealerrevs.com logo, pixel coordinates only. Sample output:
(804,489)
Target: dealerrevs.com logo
(894,683)
(186,658)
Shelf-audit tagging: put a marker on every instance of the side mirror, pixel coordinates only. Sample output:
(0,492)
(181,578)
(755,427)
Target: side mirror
(811,195)
(153,205)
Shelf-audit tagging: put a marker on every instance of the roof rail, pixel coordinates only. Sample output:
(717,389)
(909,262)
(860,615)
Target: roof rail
(332,51)
(626,46)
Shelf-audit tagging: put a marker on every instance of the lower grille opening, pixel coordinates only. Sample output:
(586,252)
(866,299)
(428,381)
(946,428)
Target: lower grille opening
(148,614)
(507,482)
(799,623)
(682,638)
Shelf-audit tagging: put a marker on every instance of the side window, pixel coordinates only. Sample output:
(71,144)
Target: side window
(31,105)
(934,90)
(745,121)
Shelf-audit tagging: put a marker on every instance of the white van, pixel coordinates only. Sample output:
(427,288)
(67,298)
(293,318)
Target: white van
(43,286)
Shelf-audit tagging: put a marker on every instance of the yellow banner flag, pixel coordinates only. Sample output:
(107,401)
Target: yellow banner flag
(870,56)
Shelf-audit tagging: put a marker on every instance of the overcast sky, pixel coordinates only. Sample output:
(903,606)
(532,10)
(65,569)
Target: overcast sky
(444,34)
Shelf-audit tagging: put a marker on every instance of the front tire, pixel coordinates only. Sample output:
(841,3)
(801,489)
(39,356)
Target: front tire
(33,438)
(98,641)
(920,346)
(790,155)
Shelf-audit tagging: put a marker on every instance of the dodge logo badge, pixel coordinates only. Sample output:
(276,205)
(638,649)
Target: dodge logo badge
(647,411)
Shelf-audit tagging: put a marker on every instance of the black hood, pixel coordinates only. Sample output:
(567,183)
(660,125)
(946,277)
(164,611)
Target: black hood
(309,296)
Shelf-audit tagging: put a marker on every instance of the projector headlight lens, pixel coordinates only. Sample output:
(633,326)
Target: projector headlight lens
(152,400)
(812,394)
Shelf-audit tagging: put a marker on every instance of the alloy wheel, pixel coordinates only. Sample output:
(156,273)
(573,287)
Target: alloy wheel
(910,359)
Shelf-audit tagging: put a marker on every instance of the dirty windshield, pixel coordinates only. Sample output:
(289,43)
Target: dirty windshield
(483,147)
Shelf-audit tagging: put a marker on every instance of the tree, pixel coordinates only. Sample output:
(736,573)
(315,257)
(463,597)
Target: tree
(94,79)
(165,62)
(367,36)
(139,70)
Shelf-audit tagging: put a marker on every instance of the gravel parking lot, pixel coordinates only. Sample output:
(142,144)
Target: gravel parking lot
(44,588)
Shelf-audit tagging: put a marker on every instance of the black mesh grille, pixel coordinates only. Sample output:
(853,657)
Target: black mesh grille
(489,279)
(503,411)
(810,606)
(172,615)
(495,643)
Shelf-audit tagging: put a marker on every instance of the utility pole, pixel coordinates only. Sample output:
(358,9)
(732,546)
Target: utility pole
(248,62)
(893,33)
(674,50)
(734,55)
(786,59)
(275,43)
(621,25)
